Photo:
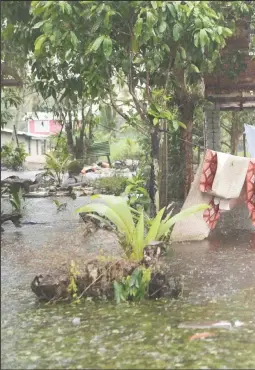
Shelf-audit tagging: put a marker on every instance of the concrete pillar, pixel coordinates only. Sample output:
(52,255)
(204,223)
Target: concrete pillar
(212,128)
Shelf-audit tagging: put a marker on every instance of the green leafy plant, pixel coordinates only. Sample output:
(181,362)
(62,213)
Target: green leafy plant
(73,275)
(13,157)
(135,236)
(111,185)
(15,196)
(134,287)
(16,199)
(56,167)
(60,206)
(137,193)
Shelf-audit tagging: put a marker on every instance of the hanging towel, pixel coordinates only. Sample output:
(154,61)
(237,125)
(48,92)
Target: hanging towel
(250,136)
(230,175)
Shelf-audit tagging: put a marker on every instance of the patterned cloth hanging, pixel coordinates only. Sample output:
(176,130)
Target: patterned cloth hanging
(222,181)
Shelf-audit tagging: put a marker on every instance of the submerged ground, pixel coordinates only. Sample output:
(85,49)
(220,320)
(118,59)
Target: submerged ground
(219,284)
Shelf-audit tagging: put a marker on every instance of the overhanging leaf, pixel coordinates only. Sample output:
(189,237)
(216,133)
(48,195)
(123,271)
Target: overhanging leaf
(107,46)
(138,27)
(39,42)
(162,27)
(96,44)
(177,29)
(74,39)
(38,24)
(203,38)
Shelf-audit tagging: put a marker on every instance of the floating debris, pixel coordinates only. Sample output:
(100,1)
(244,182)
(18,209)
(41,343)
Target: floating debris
(76,321)
(202,336)
(206,325)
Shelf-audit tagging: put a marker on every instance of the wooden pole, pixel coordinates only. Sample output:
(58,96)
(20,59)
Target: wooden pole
(16,135)
(244,145)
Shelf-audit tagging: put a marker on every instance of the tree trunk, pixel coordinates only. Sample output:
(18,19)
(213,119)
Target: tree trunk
(154,175)
(69,134)
(187,111)
(163,185)
(236,132)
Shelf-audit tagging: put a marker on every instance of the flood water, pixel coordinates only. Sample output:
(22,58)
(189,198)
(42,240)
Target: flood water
(219,284)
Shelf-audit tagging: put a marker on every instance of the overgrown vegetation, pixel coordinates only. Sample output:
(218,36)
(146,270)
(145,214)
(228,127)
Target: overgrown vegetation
(13,156)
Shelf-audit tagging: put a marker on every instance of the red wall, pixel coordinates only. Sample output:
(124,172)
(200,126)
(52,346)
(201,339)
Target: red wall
(48,127)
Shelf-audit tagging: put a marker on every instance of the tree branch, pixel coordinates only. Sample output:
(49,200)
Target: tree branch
(225,143)
(226,128)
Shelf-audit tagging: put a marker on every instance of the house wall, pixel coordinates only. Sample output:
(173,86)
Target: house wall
(43,127)
(5,137)
(33,146)
(38,147)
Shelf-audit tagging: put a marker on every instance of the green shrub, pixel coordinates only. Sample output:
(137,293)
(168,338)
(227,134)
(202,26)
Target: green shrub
(13,157)
(111,185)
(74,167)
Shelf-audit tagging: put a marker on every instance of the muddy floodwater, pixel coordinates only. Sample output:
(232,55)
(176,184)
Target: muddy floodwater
(219,284)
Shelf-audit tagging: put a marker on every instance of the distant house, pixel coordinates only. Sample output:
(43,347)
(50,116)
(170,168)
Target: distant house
(35,145)
(44,127)
(42,124)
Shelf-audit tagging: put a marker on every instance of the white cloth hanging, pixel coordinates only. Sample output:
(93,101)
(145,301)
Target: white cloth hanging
(250,136)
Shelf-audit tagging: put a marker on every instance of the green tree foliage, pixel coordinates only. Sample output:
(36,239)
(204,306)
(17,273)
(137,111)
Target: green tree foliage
(9,98)
(158,50)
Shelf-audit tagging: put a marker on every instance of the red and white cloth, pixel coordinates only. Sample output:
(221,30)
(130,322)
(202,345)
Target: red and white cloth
(222,181)
(227,177)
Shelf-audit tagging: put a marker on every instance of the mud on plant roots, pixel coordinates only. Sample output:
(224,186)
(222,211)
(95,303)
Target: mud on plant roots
(96,280)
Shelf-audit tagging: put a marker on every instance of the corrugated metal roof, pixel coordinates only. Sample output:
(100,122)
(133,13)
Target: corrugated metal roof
(36,136)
